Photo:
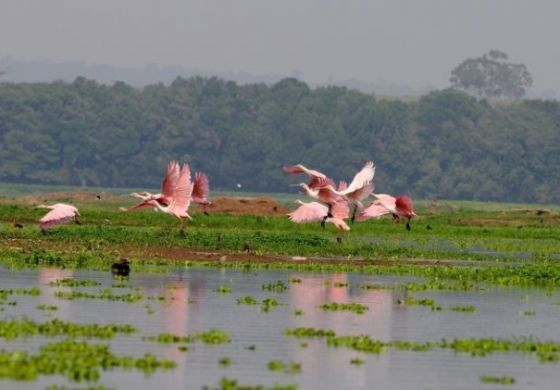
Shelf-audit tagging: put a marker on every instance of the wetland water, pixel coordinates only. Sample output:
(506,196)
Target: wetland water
(187,301)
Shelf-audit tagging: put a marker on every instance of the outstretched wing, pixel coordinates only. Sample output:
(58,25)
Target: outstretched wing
(309,212)
(372,211)
(387,201)
(169,181)
(301,169)
(60,214)
(182,193)
(201,188)
(362,178)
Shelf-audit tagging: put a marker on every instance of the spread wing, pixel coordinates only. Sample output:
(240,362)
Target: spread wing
(301,169)
(387,201)
(60,214)
(308,212)
(362,178)
(372,211)
(201,187)
(182,193)
(170,179)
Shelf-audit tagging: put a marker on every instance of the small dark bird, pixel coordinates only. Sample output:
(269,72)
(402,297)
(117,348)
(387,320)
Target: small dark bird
(247,247)
(98,196)
(428,227)
(121,267)
(15,224)
(275,208)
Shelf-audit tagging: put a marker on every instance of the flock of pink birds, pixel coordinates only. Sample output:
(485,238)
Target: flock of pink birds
(332,203)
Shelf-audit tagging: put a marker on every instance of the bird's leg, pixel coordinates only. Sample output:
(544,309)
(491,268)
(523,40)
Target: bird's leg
(44,232)
(396,218)
(354,213)
(182,229)
(77,221)
(204,210)
(408,224)
(329,215)
(339,237)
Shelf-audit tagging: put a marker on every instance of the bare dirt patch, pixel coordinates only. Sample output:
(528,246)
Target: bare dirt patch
(262,205)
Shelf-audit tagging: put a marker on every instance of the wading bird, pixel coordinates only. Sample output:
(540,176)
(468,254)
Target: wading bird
(60,213)
(398,207)
(201,189)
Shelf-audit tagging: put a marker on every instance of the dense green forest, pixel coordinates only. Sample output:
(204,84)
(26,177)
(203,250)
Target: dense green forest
(445,144)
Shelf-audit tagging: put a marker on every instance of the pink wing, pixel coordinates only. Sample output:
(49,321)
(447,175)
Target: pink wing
(361,178)
(319,182)
(327,195)
(142,205)
(342,185)
(340,210)
(201,188)
(387,201)
(372,211)
(182,193)
(61,213)
(301,169)
(308,212)
(361,193)
(170,179)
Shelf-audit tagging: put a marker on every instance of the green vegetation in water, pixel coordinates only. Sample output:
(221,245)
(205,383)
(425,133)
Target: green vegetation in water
(78,361)
(464,309)
(411,301)
(545,351)
(288,368)
(268,304)
(440,285)
(309,332)
(369,286)
(357,362)
(212,336)
(295,280)
(183,348)
(345,306)
(71,282)
(105,294)
(232,384)
(528,312)
(341,284)
(224,362)
(5,293)
(12,329)
(94,387)
(247,300)
(279,286)
(298,312)
(223,289)
(499,380)
(46,307)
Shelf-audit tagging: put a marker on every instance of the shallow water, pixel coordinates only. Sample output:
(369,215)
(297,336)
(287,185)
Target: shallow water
(194,305)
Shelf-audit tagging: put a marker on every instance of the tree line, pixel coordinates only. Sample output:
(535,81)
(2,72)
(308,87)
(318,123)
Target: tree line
(445,144)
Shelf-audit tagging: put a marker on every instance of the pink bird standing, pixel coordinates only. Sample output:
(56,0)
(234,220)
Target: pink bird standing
(399,207)
(60,213)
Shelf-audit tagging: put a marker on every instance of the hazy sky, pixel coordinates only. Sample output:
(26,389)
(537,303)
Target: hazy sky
(415,42)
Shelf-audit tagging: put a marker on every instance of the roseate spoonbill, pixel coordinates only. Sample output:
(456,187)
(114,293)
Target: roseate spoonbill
(399,207)
(359,188)
(60,213)
(316,178)
(317,212)
(201,188)
(180,199)
(168,185)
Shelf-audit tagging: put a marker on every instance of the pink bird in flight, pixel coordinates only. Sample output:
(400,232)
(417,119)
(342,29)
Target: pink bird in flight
(398,207)
(59,214)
